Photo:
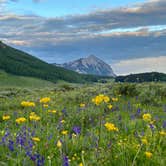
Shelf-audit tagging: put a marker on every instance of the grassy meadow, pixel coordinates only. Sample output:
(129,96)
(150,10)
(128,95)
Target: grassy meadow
(108,124)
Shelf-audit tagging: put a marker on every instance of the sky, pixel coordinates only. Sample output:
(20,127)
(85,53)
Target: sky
(130,35)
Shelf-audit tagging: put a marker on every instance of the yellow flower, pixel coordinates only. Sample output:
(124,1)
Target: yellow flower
(64,132)
(45,100)
(162,133)
(62,121)
(114,99)
(27,104)
(106,99)
(100,99)
(45,105)
(36,139)
(80,164)
(20,120)
(147,117)
(34,117)
(144,141)
(52,111)
(82,105)
(59,144)
(6,117)
(111,127)
(148,154)
(110,106)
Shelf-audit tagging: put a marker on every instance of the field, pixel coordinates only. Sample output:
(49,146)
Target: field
(108,124)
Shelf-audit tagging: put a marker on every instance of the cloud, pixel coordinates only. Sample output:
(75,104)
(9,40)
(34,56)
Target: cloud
(140,65)
(113,34)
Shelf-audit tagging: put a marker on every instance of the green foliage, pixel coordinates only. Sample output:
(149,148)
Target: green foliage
(143,77)
(127,89)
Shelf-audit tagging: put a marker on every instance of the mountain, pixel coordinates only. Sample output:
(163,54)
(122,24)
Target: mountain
(142,77)
(90,65)
(17,62)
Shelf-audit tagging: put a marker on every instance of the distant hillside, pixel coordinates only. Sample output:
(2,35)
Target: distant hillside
(142,77)
(20,63)
(90,65)
(9,80)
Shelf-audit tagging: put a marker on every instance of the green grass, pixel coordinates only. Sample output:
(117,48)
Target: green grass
(9,80)
(94,145)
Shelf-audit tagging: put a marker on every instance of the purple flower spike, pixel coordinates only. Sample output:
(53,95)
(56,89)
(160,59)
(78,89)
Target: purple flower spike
(77,130)
(65,161)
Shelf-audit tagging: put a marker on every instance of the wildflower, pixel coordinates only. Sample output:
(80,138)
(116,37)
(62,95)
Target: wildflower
(111,127)
(6,117)
(114,99)
(106,99)
(100,99)
(34,117)
(45,105)
(77,130)
(80,164)
(82,105)
(148,154)
(62,121)
(27,104)
(64,132)
(144,141)
(162,133)
(147,117)
(36,139)
(45,100)
(74,135)
(59,144)
(65,161)
(52,111)
(20,120)
(110,106)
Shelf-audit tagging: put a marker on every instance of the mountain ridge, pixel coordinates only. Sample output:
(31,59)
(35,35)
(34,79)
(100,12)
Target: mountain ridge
(89,65)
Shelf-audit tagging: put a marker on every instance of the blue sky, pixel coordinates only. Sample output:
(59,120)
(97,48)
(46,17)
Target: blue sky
(53,8)
(130,35)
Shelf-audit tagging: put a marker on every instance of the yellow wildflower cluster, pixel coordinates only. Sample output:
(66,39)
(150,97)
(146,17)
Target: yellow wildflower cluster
(148,154)
(52,111)
(20,120)
(36,139)
(27,104)
(111,127)
(100,99)
(34,117)
(45,100)
(147,117)
(6,117)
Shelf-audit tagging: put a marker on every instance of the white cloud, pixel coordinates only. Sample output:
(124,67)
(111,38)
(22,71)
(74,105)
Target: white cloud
(140,65)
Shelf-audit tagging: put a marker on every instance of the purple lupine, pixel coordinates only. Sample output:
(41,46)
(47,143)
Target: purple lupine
(138,111)
(77,130)
(65,161)
(11,145)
